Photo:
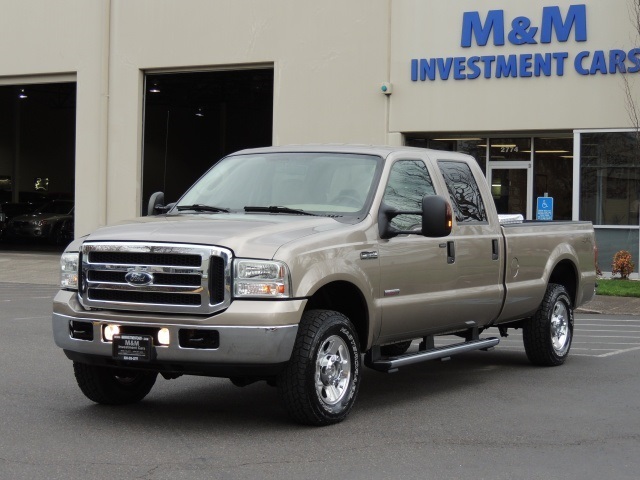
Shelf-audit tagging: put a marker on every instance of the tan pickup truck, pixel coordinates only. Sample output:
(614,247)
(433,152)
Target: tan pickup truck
(287,264)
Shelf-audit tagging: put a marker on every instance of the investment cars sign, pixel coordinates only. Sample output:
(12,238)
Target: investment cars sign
(553,27)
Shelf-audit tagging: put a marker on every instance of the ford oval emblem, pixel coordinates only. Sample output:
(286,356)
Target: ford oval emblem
(138,279)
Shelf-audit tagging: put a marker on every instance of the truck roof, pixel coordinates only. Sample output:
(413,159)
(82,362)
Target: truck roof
(380,150)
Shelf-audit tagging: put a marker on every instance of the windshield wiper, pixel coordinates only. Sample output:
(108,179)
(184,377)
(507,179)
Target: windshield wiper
(199,207)
(276,209)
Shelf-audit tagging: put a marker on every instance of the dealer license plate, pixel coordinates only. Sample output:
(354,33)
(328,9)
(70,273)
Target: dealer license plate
(133,348)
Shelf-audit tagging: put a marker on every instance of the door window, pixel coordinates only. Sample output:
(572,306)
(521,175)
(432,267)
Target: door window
(409,181)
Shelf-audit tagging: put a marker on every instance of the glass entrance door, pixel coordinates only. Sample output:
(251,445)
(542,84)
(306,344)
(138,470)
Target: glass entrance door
(511,187)
(510,175)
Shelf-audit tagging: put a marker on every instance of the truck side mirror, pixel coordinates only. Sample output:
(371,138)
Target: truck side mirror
(156,203)
(437,217)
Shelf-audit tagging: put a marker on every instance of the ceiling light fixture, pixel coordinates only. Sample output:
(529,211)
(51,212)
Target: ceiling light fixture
(22,94)
(155,87)
(456,139)
(200,112)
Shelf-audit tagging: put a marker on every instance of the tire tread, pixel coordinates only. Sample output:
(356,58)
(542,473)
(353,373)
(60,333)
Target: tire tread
(536,333)
(292,381)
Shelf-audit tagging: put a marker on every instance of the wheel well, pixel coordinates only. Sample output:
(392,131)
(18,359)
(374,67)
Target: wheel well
(565,274)
(346,298)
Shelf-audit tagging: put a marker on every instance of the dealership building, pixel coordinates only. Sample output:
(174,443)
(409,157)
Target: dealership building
(108,101)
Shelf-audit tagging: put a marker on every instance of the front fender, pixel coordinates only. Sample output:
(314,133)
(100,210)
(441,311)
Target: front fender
(310,273)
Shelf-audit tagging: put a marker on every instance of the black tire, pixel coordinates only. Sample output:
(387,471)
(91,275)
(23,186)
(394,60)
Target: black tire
(320,382)
(395,349)
(112,386)
(548,334)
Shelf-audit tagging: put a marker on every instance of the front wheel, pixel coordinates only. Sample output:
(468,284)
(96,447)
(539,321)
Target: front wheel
(547,335)
(321,380)
(111,386)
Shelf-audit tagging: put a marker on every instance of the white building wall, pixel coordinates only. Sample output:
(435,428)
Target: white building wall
(43,41)
(329,59)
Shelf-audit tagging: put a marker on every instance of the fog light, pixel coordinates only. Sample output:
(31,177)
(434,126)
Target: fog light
(110,331)
(163,336)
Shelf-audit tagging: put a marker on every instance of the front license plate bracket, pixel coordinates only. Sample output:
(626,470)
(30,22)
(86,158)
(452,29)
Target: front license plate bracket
(133,348)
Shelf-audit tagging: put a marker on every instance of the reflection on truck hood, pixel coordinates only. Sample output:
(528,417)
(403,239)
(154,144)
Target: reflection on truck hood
(258,236)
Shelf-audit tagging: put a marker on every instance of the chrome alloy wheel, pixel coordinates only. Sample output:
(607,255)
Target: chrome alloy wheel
(560,331)
(333,370)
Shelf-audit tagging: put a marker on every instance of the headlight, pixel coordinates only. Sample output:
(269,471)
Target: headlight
(69,270)
(261,279)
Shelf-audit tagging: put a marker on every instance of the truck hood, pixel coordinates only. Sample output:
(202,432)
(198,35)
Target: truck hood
(254,235)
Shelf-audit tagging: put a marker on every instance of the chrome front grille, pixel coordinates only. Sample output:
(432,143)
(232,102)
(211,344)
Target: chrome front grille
(157,277)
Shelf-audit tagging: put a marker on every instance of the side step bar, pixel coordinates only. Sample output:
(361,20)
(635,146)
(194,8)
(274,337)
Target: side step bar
(392,364)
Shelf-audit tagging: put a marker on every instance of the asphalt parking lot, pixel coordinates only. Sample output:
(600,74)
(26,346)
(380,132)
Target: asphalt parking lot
(598,336)
(481,415)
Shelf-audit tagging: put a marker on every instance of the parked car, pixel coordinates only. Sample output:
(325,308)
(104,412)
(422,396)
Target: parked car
(49,222)
(9,210)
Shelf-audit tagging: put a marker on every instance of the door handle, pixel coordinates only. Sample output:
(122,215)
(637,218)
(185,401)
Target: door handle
(451,252)
(494,249)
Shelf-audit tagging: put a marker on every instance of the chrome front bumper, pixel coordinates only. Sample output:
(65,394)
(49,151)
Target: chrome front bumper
(247,332)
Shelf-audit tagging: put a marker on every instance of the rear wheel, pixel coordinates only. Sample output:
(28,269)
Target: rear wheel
(547,335)
(321,380)
(112,386)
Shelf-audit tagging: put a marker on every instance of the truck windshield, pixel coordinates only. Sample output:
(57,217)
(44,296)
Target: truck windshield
(336,184)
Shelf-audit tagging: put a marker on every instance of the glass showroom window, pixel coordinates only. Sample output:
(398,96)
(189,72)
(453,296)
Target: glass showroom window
(610,178)
(610,191)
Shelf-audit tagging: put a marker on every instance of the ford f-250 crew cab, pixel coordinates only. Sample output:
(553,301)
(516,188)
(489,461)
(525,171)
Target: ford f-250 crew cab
(286,264)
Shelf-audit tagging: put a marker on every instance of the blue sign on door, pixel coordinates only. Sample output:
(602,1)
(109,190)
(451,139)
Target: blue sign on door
(545,208)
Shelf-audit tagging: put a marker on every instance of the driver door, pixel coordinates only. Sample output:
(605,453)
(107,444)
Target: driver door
(416,280)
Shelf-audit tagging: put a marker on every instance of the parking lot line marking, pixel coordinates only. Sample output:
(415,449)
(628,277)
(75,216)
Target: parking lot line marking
(619,331)
(590,322)
(30,318)
(597,349)
(610,336)
(618,351)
